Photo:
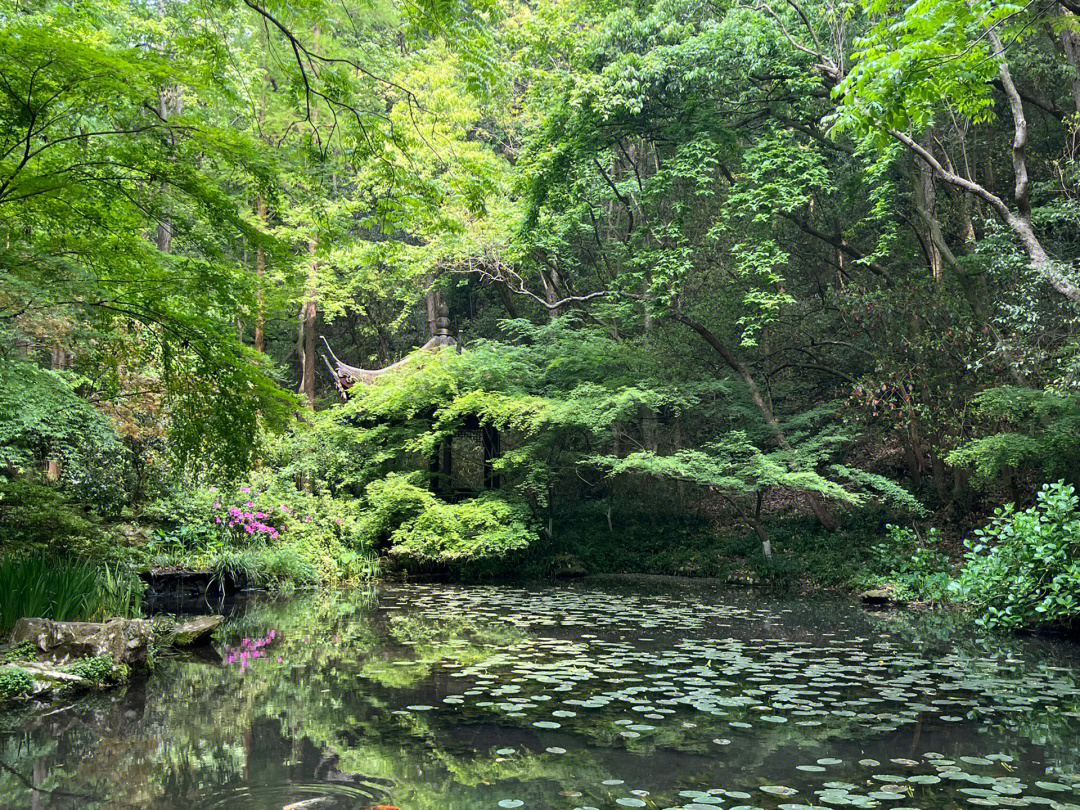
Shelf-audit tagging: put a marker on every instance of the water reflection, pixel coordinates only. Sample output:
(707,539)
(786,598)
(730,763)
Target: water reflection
(627,696)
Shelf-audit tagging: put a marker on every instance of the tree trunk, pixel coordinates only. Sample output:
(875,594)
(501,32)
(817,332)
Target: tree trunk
(170,103)
(307,329)
(59,361)
(817,506)
(1070,44)
(926,200)
(260,272)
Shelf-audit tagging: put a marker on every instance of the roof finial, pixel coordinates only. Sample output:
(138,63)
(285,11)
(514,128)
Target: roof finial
(442,321)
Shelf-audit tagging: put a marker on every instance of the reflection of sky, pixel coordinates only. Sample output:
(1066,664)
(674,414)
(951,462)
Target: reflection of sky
(631,696)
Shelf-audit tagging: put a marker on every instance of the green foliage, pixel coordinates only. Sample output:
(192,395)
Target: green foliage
(15,682)
(1035,430)
(915,567)
(296,537)
(99,670)
(65,590)
(421,527)
(43,417)
(917,57)
(1023,569)
(23,651)
(40,520)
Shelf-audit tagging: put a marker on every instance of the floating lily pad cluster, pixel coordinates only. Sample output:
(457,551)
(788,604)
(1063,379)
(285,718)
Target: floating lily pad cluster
(663,673)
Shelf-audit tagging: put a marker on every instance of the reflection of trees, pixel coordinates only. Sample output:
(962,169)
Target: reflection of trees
(328,714)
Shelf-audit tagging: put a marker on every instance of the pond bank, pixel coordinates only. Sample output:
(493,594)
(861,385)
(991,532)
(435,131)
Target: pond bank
(47,659)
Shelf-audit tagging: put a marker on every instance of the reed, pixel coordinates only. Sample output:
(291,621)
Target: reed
(65,590)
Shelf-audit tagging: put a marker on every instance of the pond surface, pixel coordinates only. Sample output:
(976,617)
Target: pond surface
(586,696)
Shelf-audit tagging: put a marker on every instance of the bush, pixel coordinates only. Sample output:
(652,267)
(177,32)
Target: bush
(65,590)
(39,520)
(15,682)
(913,565)
(422,527)
(1023,569)
(265,532)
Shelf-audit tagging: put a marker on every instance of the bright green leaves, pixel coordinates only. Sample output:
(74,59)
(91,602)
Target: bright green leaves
(1024,568)
(418,525)
(1036,429)
(42,417)
(918,60)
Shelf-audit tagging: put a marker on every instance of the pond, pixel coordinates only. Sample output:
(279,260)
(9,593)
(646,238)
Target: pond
(585,696)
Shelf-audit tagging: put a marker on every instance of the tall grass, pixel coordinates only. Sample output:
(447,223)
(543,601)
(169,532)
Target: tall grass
(65,590)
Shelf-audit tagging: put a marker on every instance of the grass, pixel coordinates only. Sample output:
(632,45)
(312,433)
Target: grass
(65,590)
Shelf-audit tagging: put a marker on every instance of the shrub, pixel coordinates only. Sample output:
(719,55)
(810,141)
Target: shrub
(1023,569)
(420,526)
(15,682)
(265,532)
(24,651)
(913,565)
(39,520)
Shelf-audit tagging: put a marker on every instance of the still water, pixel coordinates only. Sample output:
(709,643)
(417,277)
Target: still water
(629,695)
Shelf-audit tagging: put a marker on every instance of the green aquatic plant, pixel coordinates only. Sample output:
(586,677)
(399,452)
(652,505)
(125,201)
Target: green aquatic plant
(66,590)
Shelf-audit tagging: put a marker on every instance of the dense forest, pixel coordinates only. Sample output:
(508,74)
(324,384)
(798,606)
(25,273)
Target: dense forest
(779,291)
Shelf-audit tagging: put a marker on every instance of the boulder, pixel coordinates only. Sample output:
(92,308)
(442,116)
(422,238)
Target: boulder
(48,678)
(879,596)
(127,640)
(196,631)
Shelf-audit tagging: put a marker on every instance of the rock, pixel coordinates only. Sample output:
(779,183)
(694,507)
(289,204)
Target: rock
(127,640)
(741,578)
(567,566)
(48,679)
(196,631)
(879,596)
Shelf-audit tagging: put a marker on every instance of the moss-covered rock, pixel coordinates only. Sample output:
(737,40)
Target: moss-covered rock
(126,640)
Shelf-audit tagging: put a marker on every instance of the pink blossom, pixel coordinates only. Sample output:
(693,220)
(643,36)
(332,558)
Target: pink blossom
(245,490)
